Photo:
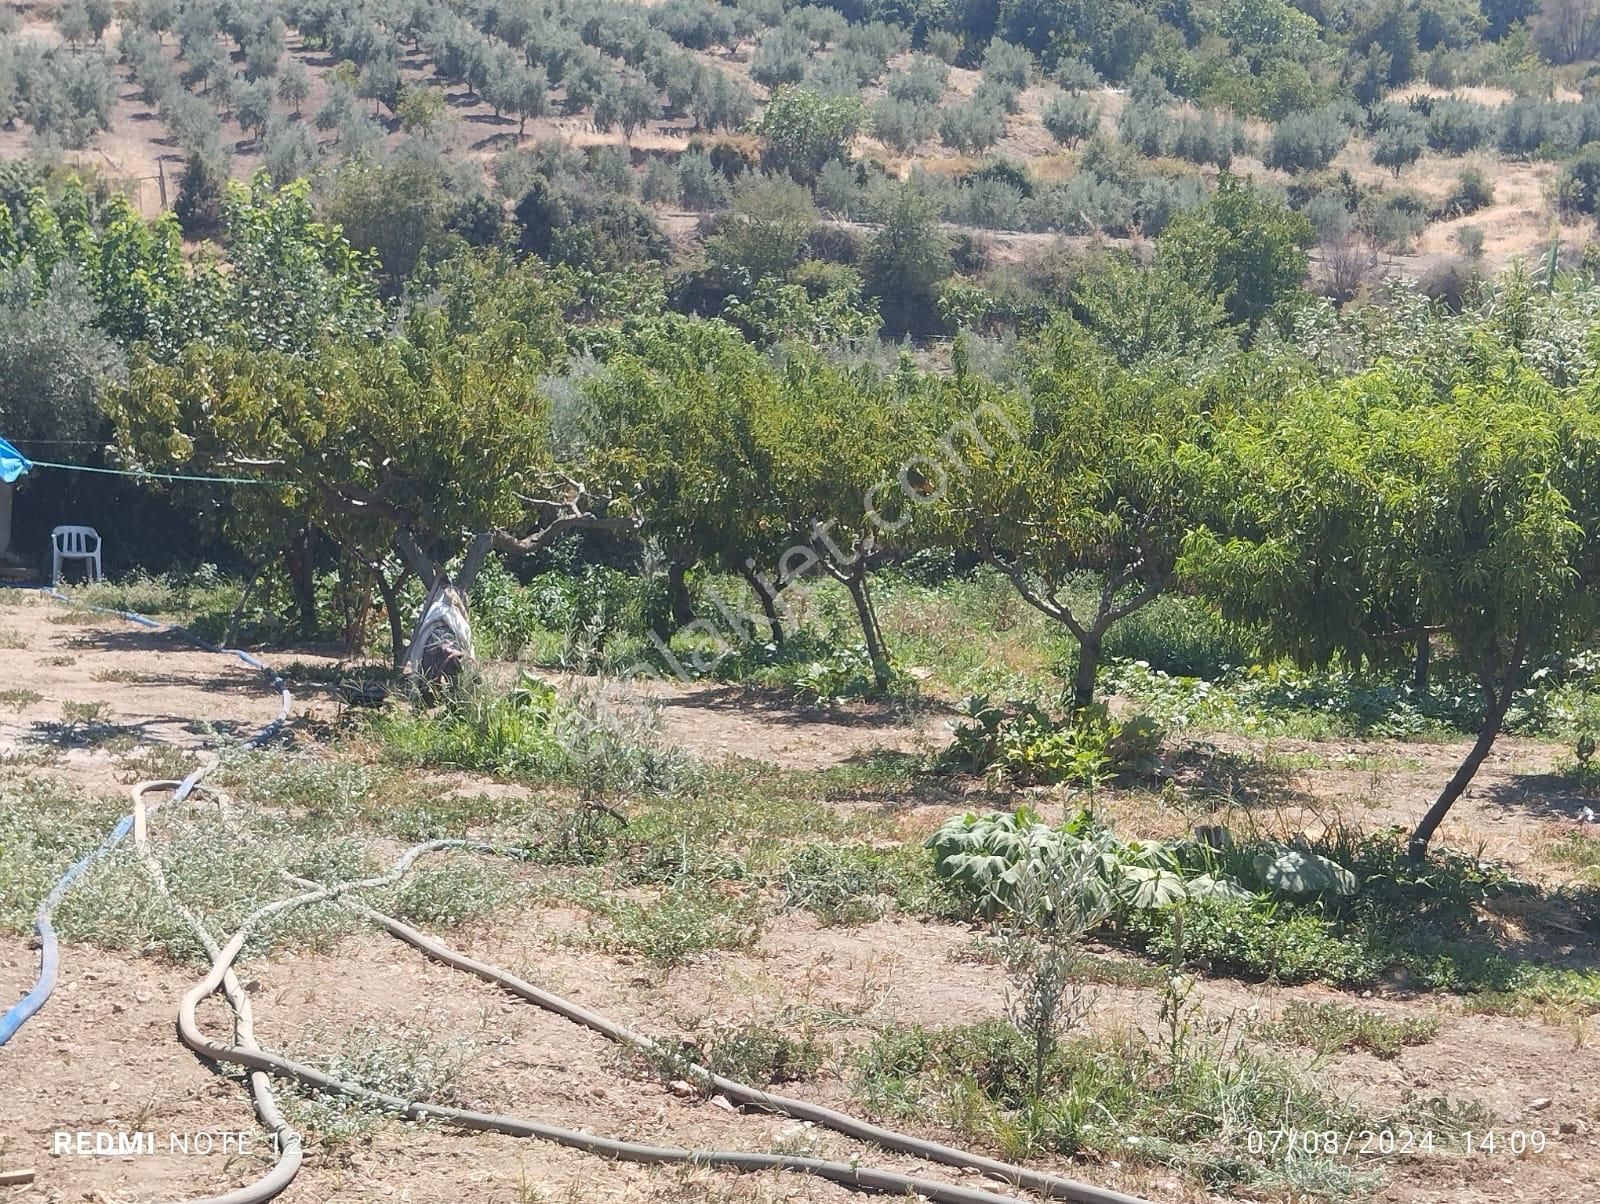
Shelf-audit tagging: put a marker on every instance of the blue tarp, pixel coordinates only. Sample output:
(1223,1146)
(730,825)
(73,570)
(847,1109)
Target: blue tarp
(12,463)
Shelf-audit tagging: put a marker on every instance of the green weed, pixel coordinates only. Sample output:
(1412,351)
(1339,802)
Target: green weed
(529,733)
(1332,1028)
(1116,1095)
(413,1066)
(747,1053)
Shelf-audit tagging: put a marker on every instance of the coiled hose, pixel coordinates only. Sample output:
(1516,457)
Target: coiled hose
(849,1174)
(49,947)
(286,1140)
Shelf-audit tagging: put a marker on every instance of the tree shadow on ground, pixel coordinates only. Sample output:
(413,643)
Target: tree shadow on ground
(790,709)
(1546,795)
(1224,778)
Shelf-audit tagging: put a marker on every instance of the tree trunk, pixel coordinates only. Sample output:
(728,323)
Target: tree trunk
(391,607)
(1083,677)
(303,580)
(856,583)
(769,605)
(1419,667)
(1499,703)
(679,602)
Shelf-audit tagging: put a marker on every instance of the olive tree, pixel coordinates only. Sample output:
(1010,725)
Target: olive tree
(1352,519)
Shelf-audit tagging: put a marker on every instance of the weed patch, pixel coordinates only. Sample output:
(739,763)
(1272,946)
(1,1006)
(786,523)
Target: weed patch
(1331,1028)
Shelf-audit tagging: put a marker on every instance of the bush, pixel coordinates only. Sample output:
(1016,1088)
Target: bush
(660,183)
(1399,144)
(1007,66)
(781,57)
(1147,128)
(1070,118)
(1306,141)
(1208,138)
(1473,191)
(1393,220)
(1526,125)
(990,203)
(1028,745)
(199,202)
(1579,185)
(1456,127)
(973,126)
(923,80)
(903,124)
(530,733)
(700,185)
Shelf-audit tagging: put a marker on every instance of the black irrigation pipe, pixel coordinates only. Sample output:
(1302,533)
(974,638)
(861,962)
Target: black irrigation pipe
(848,1174)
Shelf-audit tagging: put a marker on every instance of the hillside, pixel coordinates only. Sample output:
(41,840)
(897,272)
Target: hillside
(484,92)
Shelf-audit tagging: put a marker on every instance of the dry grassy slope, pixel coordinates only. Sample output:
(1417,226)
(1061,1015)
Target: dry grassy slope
(1521,222)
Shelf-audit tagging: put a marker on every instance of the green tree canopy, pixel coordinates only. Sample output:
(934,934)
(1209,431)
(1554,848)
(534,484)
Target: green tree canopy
(1242,246)
(1086,474)
(1351,518)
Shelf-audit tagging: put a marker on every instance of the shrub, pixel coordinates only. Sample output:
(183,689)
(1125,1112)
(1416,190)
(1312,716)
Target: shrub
(660,183)
(781,57)
(1007,65)
(1473,191)
(923,80)
(1070,118)
(903,124)
(944,45)
(1393,220)
(1208,138)
(700,185)
(1469,239)
(973,126)
(1455,127)
(1579,185)
(529,732)
(199,202)
(1306,141)
(1526,124)
(1399,144)
(1147,128)
(990,203)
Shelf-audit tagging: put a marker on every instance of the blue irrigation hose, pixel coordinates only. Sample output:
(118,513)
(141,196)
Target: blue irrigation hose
(49,948)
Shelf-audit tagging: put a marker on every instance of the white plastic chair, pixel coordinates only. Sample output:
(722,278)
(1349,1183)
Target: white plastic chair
(75,543)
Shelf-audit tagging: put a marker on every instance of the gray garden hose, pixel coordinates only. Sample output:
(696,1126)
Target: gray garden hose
(845,1173)
(741,1093)
(285,1139)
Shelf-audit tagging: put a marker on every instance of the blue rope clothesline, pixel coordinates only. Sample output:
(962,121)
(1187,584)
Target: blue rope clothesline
(141,474)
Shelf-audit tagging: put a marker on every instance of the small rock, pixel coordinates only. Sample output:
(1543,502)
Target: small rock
(682,1088)
(143,996)
(1540,1104)
(1568,1126)
(721,1101)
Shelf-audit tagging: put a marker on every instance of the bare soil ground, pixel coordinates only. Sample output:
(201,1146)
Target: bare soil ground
(102,1054)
